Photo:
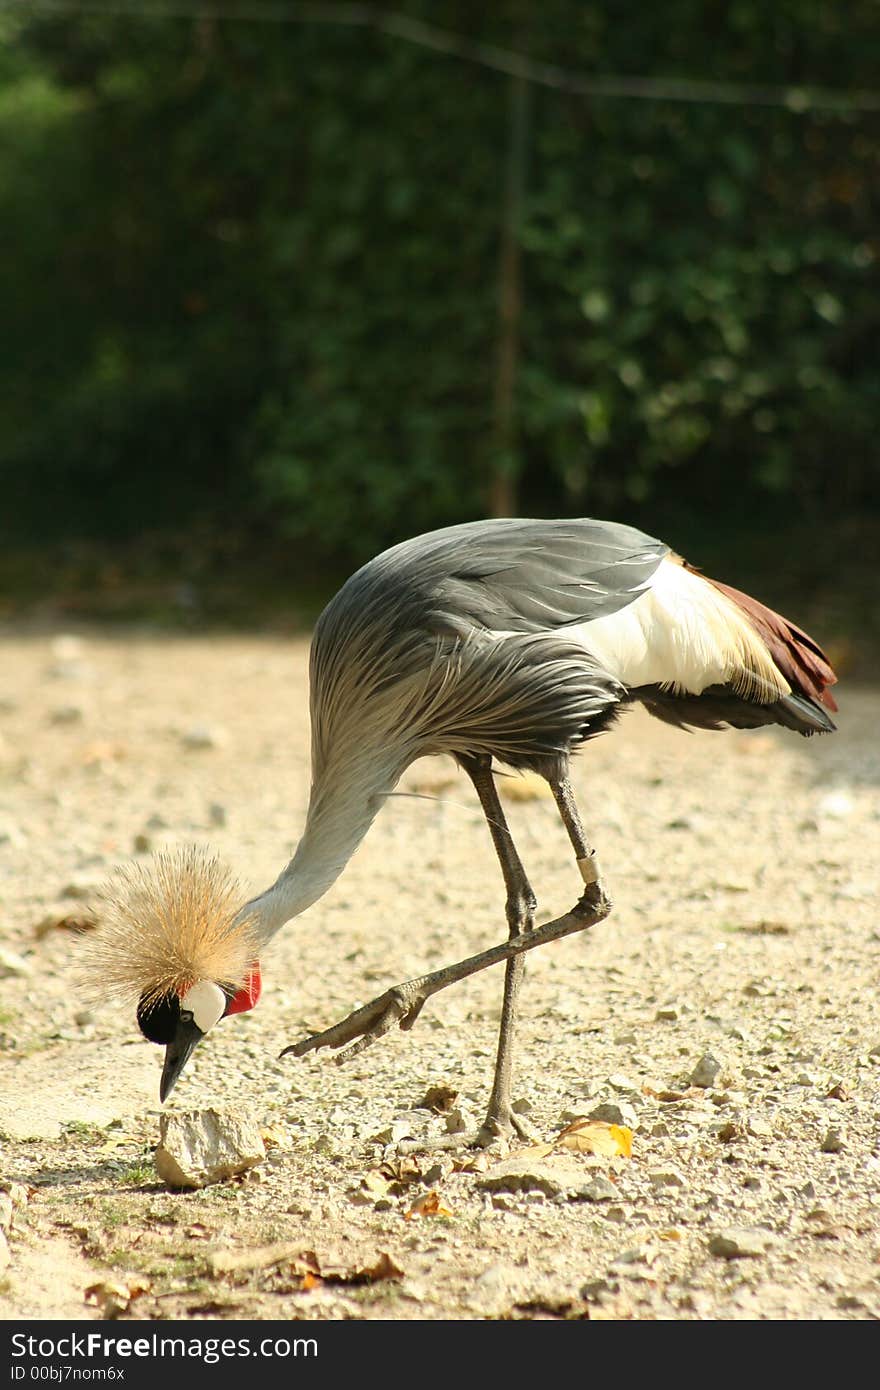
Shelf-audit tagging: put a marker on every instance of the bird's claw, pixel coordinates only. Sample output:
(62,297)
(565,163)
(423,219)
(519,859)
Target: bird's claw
(399,1006)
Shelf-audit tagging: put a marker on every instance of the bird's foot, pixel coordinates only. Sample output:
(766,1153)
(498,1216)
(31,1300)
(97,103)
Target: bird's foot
(496,1131)
(400,1005)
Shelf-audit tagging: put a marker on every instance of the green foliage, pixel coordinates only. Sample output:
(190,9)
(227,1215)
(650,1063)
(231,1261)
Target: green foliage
(251,273)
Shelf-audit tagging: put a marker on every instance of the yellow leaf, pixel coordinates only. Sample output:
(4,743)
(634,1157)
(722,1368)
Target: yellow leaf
(429,1205)
(596,1137)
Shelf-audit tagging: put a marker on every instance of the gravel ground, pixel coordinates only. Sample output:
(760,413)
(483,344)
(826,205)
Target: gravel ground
(726,1013)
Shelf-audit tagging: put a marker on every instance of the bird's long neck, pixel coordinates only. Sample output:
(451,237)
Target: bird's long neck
(344,802)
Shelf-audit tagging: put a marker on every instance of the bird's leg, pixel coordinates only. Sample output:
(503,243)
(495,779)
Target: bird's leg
(401,1005)
(565,802)
(520,910)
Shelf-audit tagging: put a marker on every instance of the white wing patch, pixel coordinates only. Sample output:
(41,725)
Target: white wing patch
(684,635)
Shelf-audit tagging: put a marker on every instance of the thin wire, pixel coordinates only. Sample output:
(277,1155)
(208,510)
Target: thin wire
(798,100)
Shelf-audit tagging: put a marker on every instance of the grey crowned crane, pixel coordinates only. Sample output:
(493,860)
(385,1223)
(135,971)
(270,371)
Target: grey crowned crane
(508,640)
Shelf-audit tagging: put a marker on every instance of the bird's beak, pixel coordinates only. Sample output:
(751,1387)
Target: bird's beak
(177,1054)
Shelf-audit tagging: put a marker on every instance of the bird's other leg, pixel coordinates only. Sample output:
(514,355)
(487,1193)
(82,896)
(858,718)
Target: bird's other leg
(401,1005)
(520,910)
(585,855)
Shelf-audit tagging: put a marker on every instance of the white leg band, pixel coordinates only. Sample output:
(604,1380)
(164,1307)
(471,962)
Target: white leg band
(589,867)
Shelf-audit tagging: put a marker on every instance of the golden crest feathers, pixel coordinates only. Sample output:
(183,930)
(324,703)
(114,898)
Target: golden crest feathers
(165,924)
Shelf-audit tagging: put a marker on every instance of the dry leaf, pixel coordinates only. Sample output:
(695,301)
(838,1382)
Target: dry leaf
(596,1137)
(261,1257)
(440,1099)
(64,917)
(537,1151)
(275,1136)
(103,751)
(429,1205)
(401,1170)
(384,1268)
(375,1185)
(114,1297)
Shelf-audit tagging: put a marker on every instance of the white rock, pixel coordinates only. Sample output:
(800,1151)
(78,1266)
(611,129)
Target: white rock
(11,965)
(551,1175)
(739,1242)
(837,805)
(206,1146)
(599,1190)
(203,736)
(666,1177)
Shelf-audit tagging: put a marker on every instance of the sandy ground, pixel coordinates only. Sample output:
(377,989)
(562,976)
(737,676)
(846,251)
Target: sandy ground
(744,870)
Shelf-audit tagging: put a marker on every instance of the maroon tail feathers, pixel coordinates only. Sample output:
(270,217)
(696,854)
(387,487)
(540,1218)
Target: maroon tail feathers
(800,659)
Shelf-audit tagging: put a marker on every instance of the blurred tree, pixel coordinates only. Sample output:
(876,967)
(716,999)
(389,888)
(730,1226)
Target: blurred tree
(252,272)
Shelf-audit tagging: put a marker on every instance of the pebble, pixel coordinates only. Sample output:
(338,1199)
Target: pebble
(12,966)
(67,714)
(836,805)
(204,736)
(666,1177)
(200,1147)
(834,1140)
(615,1112)
(668,1013)
(552,1175)
(706,1072)
(740,1242)
(599,1190)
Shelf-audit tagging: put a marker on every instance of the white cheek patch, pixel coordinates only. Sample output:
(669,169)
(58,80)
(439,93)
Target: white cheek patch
(206,1002)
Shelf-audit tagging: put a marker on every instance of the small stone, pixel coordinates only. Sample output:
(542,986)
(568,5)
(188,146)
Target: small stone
(66,714)
(11,835)
(83,886)
(666,1177)
(203,736)
(142,842)
(456,1122)
(836,805)
(200,1147)
(706,1072)
(740,1242)
(83,1018)
(12,966)
(599,1190)
(551,1175)
(667,1013)
(625,1085)
(761,1129)
(834,1140)
(615,1112)
(217,814)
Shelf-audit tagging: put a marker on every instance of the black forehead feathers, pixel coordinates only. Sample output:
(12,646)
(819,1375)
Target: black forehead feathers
(158,1020)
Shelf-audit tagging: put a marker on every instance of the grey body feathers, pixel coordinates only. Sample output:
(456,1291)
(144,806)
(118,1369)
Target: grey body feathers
(409,643)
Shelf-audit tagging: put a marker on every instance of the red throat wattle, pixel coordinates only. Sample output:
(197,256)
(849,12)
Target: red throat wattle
(249,993)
